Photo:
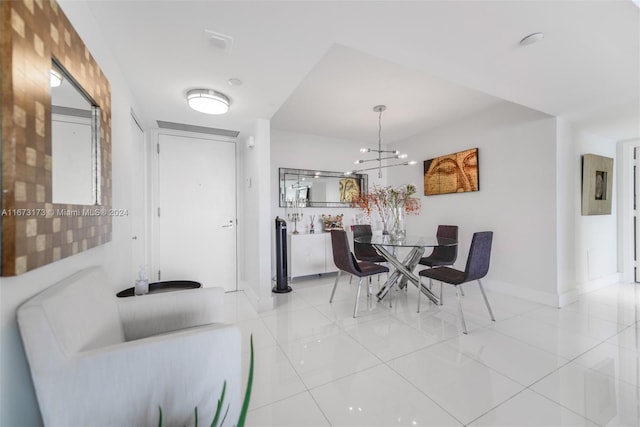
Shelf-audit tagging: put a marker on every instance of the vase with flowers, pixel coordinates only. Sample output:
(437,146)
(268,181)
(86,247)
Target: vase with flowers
(391,204)
(402,203)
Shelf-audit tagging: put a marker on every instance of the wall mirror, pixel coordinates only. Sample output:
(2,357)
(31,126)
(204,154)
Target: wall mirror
(55,143)
(314,188)
(75,139)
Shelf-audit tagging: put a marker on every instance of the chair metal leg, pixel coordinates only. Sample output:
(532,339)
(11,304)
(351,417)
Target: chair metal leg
(440,293)
(335,285)
(464,325)
(369,288)
(461,290)
(486,301)
(355,309)
(419,292)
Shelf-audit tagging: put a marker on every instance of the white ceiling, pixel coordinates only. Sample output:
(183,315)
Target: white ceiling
(319,67)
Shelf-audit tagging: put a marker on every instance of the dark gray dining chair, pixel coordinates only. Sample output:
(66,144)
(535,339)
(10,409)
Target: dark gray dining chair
(442,255)
(477,267)
(346,261)
(365,251)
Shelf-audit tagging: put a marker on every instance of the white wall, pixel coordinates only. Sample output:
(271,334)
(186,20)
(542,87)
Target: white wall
(596,247)
(18,406)
(255,223)
(568,206)
(517,197)
(587,245)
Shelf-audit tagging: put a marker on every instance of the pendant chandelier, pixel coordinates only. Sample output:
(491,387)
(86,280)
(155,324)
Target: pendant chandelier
(379,152)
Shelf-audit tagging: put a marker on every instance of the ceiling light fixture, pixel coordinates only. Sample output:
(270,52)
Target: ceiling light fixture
(531,39)
(208,101)
(55,78)
(390,154)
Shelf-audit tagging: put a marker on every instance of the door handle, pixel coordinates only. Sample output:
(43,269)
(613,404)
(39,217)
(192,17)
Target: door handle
(230,225)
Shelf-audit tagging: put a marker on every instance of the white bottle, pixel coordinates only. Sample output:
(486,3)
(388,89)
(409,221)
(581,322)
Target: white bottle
(142,283)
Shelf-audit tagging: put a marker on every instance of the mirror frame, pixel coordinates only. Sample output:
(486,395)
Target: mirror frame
(282,172)
(35,231)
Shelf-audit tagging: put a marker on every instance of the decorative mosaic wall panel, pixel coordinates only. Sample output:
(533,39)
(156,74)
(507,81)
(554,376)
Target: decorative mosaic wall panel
(35,231)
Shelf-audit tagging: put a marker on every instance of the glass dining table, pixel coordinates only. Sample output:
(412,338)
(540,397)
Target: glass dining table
(390,249)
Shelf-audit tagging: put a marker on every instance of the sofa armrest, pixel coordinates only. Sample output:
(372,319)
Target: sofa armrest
(124,384)
(155,314)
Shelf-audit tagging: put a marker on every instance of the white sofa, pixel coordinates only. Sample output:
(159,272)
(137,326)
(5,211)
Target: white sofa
(99,360)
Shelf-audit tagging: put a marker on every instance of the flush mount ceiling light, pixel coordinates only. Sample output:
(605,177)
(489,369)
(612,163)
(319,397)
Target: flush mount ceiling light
(208,101)
(392,154)
(531,39)
(55,78)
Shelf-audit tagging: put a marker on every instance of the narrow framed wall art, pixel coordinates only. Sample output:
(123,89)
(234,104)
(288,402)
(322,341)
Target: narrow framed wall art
(597,184)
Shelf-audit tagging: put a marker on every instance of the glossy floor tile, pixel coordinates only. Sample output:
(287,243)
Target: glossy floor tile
(315,365)
(274,377)
(593,393)
(531,409)
(323,358)
(551,338)
(389,337)
(507,355)
(462,386)
(296,411)
(378,397)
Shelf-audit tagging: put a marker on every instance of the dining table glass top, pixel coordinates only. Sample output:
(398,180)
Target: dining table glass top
(409,241)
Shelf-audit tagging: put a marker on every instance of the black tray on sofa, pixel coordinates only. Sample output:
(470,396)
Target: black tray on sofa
(166,286)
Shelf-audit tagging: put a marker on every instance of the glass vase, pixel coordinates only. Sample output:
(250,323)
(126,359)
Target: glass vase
(398,230)
(384,218)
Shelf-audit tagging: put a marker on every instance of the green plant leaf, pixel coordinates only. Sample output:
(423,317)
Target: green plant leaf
(214,423)
(225,415)
(245,403)
(247,394)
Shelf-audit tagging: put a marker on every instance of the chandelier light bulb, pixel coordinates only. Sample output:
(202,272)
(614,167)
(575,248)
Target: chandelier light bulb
(364,150)
(412,162)
(402,156)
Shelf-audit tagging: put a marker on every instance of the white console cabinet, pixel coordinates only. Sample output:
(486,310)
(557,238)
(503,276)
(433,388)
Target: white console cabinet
(309,254)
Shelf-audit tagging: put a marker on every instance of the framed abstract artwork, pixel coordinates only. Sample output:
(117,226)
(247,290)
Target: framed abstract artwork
(452,173)
(597,184)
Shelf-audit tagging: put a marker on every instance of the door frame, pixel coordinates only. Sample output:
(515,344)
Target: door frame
(626,214)
(145,233)
(154,173)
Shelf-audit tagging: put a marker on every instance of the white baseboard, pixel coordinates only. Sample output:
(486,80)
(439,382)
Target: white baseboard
(599,283)
(553,300)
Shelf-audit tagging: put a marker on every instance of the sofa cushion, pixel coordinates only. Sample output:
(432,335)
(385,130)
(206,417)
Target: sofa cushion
(81,311)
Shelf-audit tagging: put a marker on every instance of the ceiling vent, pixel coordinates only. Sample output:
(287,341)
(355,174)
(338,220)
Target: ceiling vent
(219,40)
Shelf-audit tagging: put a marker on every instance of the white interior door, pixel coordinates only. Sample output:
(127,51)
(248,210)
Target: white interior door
(138,204)
(197,210)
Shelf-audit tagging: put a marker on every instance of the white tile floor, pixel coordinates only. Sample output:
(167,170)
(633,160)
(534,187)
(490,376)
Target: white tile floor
(535,366)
